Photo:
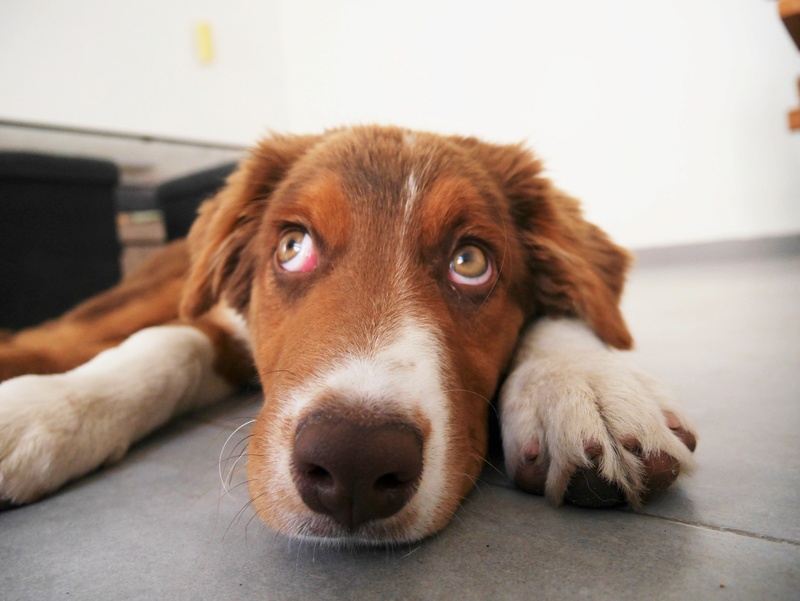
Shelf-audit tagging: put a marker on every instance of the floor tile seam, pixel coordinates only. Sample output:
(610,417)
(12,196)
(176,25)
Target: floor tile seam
(725,529)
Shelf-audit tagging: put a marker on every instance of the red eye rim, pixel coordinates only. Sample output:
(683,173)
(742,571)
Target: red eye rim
(300,257)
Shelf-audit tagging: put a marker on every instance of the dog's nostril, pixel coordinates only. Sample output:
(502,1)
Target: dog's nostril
(318,474)
(388,481)
(356,472)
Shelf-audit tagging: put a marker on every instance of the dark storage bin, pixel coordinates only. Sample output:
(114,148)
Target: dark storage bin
(58,234)
(179,199)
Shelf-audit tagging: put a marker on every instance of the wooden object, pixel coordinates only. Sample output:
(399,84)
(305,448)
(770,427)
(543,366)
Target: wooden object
(789,10)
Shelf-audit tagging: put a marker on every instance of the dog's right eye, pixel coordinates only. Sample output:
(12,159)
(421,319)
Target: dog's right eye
(296,251)
(470,265)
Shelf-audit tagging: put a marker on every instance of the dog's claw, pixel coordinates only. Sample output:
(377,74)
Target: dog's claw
(632,444)
(593,449)
(674,424)
(531,475)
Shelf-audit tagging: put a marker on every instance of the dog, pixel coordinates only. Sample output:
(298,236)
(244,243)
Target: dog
(384,285)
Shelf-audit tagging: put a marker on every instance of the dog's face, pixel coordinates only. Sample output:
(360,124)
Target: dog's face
(385,276)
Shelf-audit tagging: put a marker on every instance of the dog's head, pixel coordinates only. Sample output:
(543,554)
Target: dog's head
(385,276)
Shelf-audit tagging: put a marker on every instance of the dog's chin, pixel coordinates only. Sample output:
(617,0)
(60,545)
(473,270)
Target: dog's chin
(324,531)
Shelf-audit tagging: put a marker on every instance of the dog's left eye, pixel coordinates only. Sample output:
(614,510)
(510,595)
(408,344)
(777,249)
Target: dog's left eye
(296,251)
(470,266)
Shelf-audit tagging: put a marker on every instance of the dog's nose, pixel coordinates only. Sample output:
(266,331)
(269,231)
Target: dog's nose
(356,472)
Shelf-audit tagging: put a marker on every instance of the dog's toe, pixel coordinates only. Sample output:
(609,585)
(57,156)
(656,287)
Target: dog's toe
(587,488)
(661,470)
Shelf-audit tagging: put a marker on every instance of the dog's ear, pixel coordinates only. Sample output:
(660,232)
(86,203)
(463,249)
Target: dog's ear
(573,268)
(227,224)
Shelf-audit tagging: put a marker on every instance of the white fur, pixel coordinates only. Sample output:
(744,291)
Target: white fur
(568,388)
(411,194)
(235,324)
(57,427)
(403,374)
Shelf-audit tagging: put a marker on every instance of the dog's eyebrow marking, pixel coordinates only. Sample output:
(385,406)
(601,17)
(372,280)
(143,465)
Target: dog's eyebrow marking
(411,193)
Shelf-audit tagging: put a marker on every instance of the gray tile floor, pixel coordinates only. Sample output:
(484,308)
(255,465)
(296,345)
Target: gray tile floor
(725,335)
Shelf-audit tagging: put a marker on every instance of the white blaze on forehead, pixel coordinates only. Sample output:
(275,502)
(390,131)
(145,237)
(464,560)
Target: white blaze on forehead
(402,376)
(404,255)
(410,196)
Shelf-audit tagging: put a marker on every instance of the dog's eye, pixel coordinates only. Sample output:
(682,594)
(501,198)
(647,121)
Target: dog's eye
(296,251)
(470,266)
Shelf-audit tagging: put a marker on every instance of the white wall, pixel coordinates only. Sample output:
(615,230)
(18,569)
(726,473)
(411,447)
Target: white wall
(131,65)
(667,117)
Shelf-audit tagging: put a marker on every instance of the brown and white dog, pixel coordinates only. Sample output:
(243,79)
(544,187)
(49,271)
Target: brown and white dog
(382,283)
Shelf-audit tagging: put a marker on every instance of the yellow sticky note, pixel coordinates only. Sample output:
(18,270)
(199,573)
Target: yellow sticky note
(205,46)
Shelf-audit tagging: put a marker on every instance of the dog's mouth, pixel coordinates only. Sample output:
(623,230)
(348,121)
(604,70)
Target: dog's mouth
(325,531)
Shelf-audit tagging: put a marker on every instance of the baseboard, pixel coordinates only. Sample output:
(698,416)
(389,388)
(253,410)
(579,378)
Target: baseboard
(723,250)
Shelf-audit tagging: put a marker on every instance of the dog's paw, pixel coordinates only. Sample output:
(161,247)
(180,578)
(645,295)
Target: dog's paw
(592,430)
(48,436)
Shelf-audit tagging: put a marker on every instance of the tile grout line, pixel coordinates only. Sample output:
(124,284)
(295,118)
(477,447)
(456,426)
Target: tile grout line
(724,529)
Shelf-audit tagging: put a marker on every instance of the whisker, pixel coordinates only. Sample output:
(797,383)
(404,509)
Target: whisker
(242,453)
(477,394)
(282,371)
(222,450)
(252,517)
(236,517)
(493,466)
(239,485)
(233,450)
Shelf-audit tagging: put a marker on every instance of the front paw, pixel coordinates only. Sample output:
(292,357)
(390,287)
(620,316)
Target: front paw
(595,432)
(48,436)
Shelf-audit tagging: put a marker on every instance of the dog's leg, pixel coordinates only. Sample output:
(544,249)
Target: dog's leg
(580,423)
(147,297)
(54,428)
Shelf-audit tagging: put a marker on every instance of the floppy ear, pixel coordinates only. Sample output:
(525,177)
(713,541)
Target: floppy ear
(573,268)
(227,224)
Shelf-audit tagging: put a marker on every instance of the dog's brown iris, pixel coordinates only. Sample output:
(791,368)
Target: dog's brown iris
(469,261)
(289,246)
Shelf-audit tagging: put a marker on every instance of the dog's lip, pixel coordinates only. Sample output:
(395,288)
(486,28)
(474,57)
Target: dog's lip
(375,533)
